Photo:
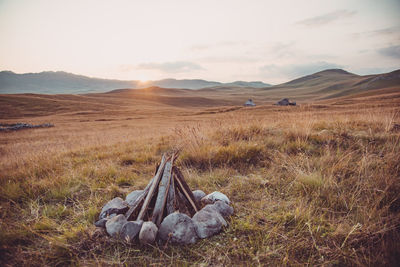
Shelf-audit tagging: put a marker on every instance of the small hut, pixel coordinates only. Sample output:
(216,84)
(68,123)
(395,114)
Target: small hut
(285,102)
(249,103)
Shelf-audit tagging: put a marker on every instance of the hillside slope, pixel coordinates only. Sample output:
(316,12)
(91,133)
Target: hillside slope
(60,82)
(57,83)
(329,84)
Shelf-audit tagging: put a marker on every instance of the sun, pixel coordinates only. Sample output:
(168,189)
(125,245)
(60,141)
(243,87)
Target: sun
(143,82)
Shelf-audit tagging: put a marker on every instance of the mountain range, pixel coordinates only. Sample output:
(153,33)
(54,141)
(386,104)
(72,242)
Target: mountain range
(334,86)
(60,82)
(326,84)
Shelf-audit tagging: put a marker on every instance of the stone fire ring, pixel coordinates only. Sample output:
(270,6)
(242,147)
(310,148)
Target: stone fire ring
(166,211)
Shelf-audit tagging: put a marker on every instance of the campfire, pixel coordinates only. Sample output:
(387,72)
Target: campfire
(166,210)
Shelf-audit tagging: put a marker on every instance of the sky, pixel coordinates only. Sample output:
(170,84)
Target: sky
(251,40)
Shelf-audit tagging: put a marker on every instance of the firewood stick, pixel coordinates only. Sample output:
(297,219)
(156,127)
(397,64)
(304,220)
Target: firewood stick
(163,191)
(187,194)
(185,189)
(182,204)
(136,203)
(171,197)
(162,194)
(135,206)
(154,185)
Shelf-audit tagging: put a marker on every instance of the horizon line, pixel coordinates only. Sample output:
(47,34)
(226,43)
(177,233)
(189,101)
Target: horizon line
(170,78)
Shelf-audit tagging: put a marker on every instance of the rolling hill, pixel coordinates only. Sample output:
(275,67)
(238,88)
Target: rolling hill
(57,83)
(325,84)
(330,84)
(60,82)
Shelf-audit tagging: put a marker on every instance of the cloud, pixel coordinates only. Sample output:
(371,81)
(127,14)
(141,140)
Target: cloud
(229,59)
(199,47)
(126,67)
(327,18)
(385,32)
(283,50)
(296,70)
(171,67)
(372,70)
(218,45)
(390,51)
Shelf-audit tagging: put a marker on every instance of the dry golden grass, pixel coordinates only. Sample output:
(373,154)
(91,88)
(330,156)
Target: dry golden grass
(311,185)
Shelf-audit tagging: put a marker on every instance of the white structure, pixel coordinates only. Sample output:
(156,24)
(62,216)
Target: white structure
(249,103)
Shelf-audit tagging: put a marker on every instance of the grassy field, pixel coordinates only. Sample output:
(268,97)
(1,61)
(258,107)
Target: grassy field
(316,184)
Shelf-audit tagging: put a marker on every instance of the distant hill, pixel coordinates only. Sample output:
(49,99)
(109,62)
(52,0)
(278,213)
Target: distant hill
(183,84)
(256,84)
(199,84)
(332,83)
(60,82)
(325,84)
(336,87)
(322,76)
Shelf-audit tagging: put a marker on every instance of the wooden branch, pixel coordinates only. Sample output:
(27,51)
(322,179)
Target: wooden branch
(175,156)
(162,194)
(134,207)
(185,189)
(171,197)
(154,185)
(176,202)
(156,170)
(182,204)
(185,198)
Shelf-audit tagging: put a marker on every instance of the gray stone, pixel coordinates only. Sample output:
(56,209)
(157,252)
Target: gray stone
(208,221)
(224,209)
(20,126)
(114,206)
(148,233)
(130,231)
(198,195)
(178,228)
(213,197)
(132,196)
(114,225)
(101,223)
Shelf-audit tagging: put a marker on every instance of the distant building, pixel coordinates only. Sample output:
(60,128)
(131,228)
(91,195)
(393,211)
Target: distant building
(249,103)
(285,102)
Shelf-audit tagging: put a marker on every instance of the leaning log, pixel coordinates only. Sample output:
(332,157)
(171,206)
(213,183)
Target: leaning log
(133,210)
(185,189)
(171,200)
(182,205)
(162,194)
(154,185)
